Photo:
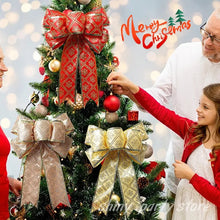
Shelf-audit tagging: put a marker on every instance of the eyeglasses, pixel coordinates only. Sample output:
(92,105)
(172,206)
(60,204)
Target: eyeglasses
(206,35)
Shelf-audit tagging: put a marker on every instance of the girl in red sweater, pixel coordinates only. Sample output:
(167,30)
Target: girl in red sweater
(198,193)
(5,181)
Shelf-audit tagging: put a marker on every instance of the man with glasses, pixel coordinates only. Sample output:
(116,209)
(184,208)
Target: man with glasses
(190,68)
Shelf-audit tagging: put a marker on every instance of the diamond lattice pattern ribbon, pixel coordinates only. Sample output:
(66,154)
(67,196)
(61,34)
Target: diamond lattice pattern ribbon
(118,148)
(43,141)
(81,34)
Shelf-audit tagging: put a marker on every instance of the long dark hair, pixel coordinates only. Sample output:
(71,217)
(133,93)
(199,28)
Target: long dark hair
(212,92)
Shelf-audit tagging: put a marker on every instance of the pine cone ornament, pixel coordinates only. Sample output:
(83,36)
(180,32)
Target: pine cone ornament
(142,182)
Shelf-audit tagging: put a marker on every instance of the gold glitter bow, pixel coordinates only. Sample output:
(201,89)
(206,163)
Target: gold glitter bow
(118,148)
(43,141)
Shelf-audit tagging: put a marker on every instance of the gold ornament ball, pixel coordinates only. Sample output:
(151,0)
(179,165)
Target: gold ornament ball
(115,198)
(54,65)
(111,117)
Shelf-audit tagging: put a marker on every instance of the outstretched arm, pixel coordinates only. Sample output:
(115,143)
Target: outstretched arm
(169,118)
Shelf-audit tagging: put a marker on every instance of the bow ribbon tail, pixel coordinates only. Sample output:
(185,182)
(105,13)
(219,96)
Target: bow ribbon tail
(54,177)
(68,71)
(32,176)
(87,68)
(105,183)
(127,178)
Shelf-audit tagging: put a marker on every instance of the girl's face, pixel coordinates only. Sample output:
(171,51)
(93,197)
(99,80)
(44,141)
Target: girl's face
(207,113)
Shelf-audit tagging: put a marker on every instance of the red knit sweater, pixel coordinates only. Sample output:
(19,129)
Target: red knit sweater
(4,185)
(181,125)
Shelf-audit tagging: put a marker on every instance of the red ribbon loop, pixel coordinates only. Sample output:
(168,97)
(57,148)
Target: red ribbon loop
(78,32)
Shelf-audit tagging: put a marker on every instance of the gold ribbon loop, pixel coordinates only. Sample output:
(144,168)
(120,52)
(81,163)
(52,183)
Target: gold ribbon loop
(118,148)
(26,128)
(58,132)
(42,130)
(42,141)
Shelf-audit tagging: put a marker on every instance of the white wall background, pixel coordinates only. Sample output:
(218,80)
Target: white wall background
(21,32)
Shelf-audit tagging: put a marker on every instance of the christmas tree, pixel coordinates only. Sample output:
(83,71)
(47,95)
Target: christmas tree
(82,147)
(179,16)
(171,21)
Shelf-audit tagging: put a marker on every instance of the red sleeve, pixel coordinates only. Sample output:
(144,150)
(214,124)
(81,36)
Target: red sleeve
(208,191)
(178,124)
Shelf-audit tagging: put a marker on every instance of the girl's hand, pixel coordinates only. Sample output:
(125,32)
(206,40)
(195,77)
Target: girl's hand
(121,84)
(182,170)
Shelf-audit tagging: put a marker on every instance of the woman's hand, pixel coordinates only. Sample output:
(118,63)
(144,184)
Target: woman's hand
(121,84)
(15,186)
(182,170)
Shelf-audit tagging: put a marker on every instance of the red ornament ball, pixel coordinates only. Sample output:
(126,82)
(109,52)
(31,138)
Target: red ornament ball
(111,103)
(67,11)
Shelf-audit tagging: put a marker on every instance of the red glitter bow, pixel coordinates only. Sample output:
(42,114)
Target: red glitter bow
(79,33)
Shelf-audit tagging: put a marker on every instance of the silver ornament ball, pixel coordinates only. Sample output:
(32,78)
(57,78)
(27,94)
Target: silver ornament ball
(40,110)
(84,2)
(111,117)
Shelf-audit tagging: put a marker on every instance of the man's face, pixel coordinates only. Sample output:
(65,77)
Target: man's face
(211,48)
(3,68)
